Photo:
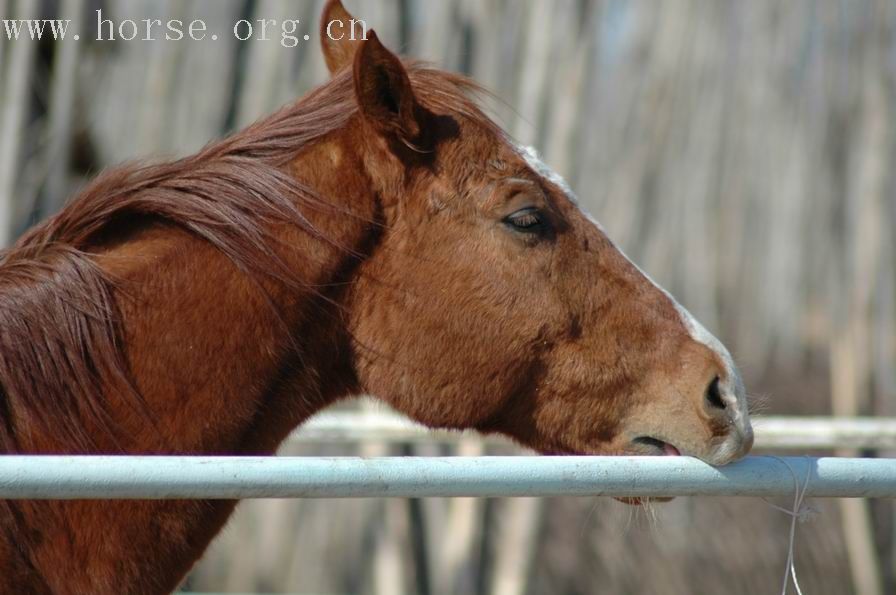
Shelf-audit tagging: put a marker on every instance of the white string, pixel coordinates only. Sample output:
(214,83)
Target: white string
(800,512)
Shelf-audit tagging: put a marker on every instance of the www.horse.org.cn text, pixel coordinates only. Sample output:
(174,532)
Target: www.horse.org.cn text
(289,33)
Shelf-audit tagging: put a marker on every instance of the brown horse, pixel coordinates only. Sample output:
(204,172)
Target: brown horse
(380,236)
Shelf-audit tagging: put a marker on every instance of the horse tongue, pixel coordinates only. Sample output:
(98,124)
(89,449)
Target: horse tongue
(670,451)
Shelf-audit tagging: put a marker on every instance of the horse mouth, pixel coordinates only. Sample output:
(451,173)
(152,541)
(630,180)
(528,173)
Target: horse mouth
(655,447)
(641,446)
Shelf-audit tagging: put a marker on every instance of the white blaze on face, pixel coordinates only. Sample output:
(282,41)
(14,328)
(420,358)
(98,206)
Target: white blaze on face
(733,391)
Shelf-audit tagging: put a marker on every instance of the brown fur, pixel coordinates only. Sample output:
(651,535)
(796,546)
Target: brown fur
(353,242)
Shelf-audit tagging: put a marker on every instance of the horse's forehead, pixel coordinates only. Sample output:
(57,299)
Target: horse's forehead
(542,169)
(530,155)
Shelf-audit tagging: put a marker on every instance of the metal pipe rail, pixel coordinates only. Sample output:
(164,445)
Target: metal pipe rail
(164,477)
(772,433)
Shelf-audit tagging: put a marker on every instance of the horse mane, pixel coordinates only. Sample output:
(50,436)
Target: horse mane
(61,350)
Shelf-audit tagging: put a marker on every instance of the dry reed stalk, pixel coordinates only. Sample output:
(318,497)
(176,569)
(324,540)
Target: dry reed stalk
(463,522)
(387,561)
(63,95)
(264,67)
(431,32)
(518,528)
(15,108)
(533,84)
(4,10)
(851,357)
(195,117)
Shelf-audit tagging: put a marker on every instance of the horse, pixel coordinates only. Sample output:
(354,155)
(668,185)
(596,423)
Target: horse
(379,236)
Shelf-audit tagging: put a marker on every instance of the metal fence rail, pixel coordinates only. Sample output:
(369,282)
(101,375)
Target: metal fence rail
(772,433)
(140,477)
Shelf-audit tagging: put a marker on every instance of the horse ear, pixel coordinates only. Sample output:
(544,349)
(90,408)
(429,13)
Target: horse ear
(383,89)
(341,35)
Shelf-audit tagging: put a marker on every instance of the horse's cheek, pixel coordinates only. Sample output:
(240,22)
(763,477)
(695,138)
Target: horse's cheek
(406,353)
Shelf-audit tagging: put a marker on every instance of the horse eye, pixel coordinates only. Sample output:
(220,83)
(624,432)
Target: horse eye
(528,220)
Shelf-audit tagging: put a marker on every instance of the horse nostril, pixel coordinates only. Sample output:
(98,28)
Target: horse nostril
(714,394)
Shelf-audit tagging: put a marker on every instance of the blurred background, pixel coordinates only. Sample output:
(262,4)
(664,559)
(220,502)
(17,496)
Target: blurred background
(740,152)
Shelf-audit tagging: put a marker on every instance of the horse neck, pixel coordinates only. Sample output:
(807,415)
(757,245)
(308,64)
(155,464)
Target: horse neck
(229,362)
(288,353)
